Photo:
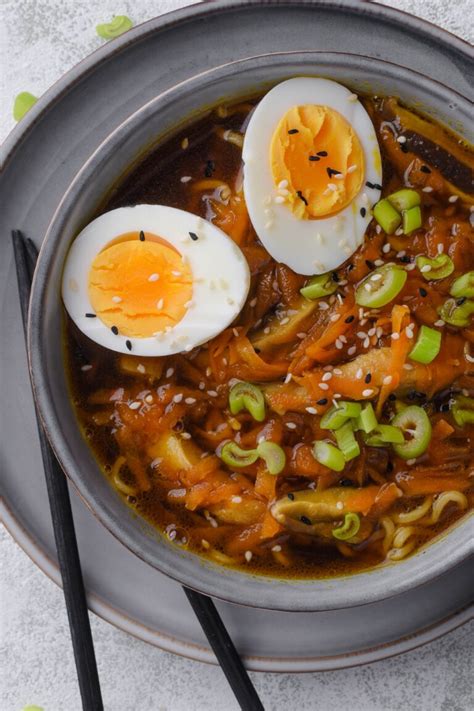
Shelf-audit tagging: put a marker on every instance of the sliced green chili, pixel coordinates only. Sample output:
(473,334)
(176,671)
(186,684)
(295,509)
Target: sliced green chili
(110,30)
(415,423)
(455,313)
(236,457)
(411,219)
(383,435)
(347,442)
(381,286)
(22,104)
(440,267)
(329,455)
(318,286)
(404,199)
(367,420)
(387,217)
(246,396)
(349,528)
(427,345)
(463,410)
(336,416)
(463,286)
(273,455)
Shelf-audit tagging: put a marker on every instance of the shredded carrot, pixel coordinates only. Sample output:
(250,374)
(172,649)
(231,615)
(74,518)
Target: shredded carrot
(399,350)
(441,430)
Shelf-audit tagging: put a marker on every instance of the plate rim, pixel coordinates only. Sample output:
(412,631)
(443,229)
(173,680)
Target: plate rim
(199,653)
(80,71)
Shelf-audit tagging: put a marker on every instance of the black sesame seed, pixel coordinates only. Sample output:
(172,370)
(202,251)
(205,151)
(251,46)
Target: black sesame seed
(114,330)
(377,186)
(292,131)
(392,397)
(369,184)
(405,259)
(323,154)
(257,350)
(444,407)
(416,395)
(129,345)
(423,292)
(323,401)
(363,211)
(210,167)
(193,236)
(142,236)
(291,496)
(350,267)
(301,197)
(349,319)
(314,158)
(346,482)
(461,301)
(305,520)
(404,148)
(389,467)
(370,264)
(368,378)
(331,172)
(425,169)
(91,316)
(335,277)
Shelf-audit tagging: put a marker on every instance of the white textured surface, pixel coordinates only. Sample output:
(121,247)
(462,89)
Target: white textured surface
(39,41)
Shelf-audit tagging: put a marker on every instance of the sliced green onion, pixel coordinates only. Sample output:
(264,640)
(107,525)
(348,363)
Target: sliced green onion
(22,104)
(273,455)
(367,420)
(439,268)
(347,442)
(386,215)
(329,455)
(246,396)
(383,435)
(110,30)
(349,528)
(381,286)
(414,421)
(411,219)
(318,286)
(456,314)
(404,199)
(463,410)
(236,457)
(339,414)
(427,345)
(463,286)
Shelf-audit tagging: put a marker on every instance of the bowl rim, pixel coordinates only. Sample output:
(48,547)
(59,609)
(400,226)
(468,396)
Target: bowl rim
(39,378)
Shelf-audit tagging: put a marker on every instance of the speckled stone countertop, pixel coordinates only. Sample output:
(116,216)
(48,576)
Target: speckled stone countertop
(39,41)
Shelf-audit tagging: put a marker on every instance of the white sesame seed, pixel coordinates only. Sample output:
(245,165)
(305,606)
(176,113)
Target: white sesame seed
(185,178)
(439,323)
(359,374)
(410,267)
(337,396)
(288,377)
(276,549)
(425,268)
(323,386)
(343,339)
(326,376)
(378,229)
(399,231)
(312,410)
(201,385)
(253,303)
(283,184)
(338,176)
(379,262)
(410,461)
(279,199)
(453,198)
(301,336)
(379,332)
(266,330)
(352,98)
(149,399)
(440,248)
(401,139)
(323,305)
(368,287)
(351,168)
(395,336)
(386,248)
(335,317)
(291,425)
(159,304)
(339,345)
(409,332)
(248,556)
(141,368)
(212,393)
(236,499)
(376,277)
(134,405)
(284,321)
(190,400)
(339,505)
(387,380)
(332,187)
(235,331)
(351,350)
(185,435)
(367,393)
(283,193)
(428,189)
(407,366)
(86,367)
(116,299)
(153,277)
(371,331)
(401,254)
(177,398)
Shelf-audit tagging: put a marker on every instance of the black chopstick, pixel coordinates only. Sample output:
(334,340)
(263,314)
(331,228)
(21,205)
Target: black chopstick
(204,608)
(63,523)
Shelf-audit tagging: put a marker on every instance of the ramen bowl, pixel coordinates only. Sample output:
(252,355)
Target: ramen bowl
(152,124)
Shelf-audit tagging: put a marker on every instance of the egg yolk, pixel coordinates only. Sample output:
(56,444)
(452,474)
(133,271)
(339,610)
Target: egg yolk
(140,286)
(317,161)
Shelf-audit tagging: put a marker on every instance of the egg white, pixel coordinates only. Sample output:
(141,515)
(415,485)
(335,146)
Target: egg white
(220,273)
(307,246)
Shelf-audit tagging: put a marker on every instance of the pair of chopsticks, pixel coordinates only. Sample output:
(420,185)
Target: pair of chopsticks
(26,254)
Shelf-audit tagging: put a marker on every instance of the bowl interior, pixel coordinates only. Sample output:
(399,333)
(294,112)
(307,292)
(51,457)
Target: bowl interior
(150,125)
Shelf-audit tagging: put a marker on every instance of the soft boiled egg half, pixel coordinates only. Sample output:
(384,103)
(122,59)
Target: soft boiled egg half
(312,171)
(153,280)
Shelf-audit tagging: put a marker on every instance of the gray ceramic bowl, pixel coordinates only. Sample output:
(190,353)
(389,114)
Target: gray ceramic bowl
(160,118)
